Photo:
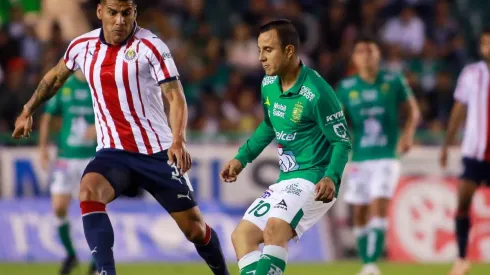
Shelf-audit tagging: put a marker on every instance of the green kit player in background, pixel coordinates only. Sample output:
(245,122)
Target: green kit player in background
(303,115)
(372,100)
(76,146)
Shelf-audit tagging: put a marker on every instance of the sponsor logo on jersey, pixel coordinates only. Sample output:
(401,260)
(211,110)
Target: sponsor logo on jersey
(267,102)
(285,136)
(340,130)
(130,55)
(297,111)
(293,189)
(279,110)
(372,111)
(268,80)
(349,83)
(287,160)
(335,117)
(385,88)
(306,92)
(266,194)
(166,56)
(369,95)
(81,94)
(281,205)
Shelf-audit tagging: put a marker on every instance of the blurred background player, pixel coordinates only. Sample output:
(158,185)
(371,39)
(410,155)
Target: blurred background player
(472,101)
(76,146)
(303,115)
(372,100)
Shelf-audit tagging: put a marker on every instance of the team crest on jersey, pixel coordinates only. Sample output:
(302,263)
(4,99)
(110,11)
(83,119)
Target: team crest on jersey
(385,87)
(130,55)
(297,111)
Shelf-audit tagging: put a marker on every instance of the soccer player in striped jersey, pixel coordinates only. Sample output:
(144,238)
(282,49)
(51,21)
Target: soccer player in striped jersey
(127,68)
(471,100)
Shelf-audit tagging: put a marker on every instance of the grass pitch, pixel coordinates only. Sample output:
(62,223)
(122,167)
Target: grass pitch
(334,268)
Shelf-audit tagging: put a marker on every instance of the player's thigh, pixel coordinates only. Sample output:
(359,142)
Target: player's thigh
(60,204)
(164,182)
(246,234)
(60,178)
(106,176)
(295,204)
(384,179)
(357,191)
(474,174)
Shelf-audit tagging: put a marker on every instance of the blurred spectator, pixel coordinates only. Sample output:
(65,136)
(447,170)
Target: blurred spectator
(214,45)
(15,26)
(394,59)
(407,31)
(369,21)
(243,111)
(12,94)
(427,66)
(242,50)
(210,119)
(69,16)
(305,23)
(256,11)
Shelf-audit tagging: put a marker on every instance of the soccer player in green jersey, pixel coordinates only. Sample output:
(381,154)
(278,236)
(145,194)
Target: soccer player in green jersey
(304,117)
(76,146)
(372,100)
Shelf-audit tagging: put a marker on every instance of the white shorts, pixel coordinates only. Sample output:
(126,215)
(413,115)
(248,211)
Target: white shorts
(66,175)
(371,179)
(290,200)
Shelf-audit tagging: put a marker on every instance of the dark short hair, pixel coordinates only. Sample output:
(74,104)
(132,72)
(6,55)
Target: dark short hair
(285,30)
(367,39)
(485,31)
(103,1)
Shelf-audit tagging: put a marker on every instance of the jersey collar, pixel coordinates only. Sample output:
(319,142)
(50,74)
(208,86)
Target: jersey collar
(102,39)
(298,84)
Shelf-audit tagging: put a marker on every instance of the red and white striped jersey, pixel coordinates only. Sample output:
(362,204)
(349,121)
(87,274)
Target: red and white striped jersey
(473,89)
(124,81)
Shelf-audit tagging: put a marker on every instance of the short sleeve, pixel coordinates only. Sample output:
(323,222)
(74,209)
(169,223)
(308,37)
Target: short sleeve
(462,86)
(72,53)
(404,91)
(53,106)
(162,65)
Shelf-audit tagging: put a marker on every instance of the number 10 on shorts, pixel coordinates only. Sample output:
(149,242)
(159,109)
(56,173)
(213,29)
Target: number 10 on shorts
(260,209)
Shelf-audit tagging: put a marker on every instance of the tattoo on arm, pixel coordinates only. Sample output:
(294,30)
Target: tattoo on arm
(49,85)
(168,87)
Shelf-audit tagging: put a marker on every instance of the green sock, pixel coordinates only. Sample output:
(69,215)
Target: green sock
(272,261)
(64,232)
(362,241)
(376,239)
(248,263)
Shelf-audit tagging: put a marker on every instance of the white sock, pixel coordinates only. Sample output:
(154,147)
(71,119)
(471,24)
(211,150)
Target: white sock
(360,231)
(276,251)
(62,221)
(378,222)
(249,259)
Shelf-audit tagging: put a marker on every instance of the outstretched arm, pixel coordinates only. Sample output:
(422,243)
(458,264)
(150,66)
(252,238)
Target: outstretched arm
(49,85)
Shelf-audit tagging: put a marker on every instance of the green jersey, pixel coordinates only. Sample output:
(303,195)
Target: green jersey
(74,105)
(308,124)
(373,111)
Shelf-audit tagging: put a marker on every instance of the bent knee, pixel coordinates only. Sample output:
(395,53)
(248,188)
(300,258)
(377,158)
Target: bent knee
(60,211)
(197,233)
(94,187)
(277,232)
